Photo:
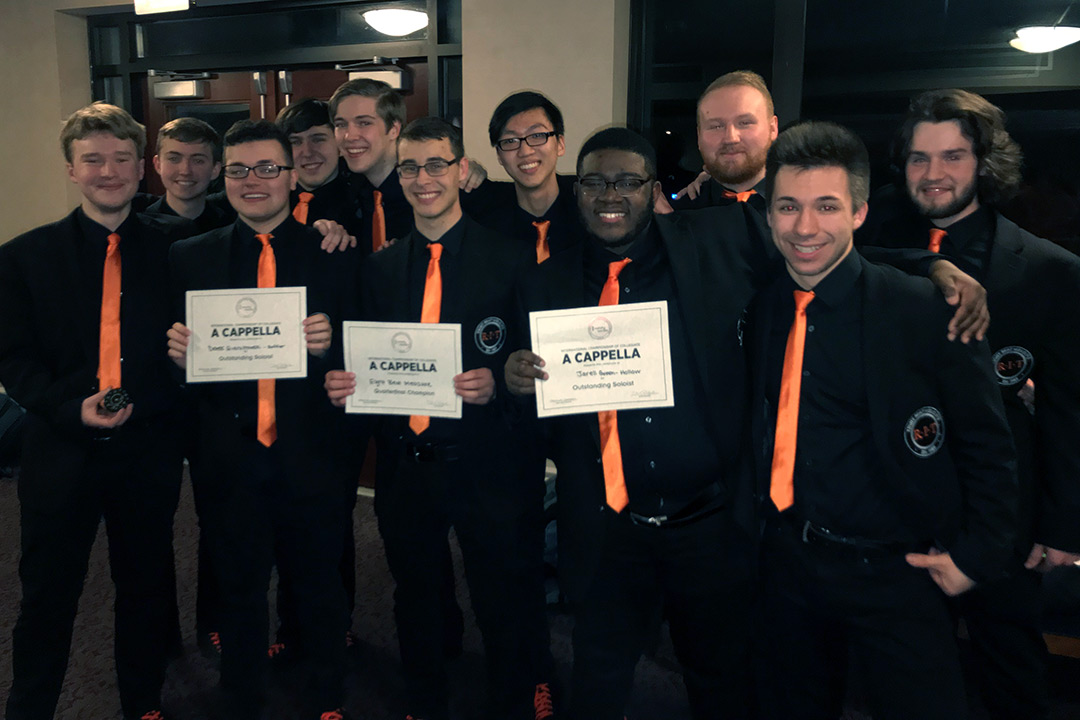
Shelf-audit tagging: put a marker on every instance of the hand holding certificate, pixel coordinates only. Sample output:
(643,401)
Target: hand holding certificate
(403,368)
(246,334)
(614,357)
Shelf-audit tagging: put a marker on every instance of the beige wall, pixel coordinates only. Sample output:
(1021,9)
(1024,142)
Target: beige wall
(43,50)
(579,58)
(574,51)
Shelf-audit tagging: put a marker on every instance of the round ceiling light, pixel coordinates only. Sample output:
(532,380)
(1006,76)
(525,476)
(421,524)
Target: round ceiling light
(396,22)
(1045,38)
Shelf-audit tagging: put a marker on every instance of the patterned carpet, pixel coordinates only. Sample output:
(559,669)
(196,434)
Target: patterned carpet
(375,691)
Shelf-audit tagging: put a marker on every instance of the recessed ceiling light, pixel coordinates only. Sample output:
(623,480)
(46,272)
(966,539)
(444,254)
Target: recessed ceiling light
(396,22)
(1045,38)
(146,7)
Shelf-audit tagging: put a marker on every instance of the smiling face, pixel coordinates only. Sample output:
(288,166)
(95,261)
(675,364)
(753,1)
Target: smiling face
(186,169)
(434,199)
(611,218)
(531,167)
(941,172)
(812,220)
(362,136)
(263,203)
(315,153)
(735,131)
(107,171)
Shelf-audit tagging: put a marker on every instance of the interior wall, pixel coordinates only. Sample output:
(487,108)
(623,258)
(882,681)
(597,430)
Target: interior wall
(573,51)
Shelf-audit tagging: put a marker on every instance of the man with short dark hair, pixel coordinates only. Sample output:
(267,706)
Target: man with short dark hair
(526,130)
(474,474)
(881,447)
(275,445)
(82,308)
(188,159)
(959,164)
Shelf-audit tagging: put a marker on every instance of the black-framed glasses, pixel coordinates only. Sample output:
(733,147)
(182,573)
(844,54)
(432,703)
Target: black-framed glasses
(269,171)
(434,168)
(532,140)
(594,186)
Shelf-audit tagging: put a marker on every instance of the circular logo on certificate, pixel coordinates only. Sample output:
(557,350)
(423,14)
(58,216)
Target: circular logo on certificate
(925,431)
(600,328)
(1013,365)
(401,342)
(490,335)
(246,307)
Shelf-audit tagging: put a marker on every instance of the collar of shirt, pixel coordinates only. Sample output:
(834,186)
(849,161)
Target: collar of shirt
(836,287)
(644,253)
(758,197)
(246,234)
(451,241)
(98,235)
(975,228)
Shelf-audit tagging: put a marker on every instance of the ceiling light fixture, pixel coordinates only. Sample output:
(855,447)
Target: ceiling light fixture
(1046,38)
(396,22)
(147,7)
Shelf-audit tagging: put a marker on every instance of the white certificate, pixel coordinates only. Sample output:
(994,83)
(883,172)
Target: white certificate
(611,357)
(246,334)
(403,368)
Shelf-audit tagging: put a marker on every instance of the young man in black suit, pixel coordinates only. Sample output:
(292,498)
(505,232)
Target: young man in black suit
(83,303)
(275,445)
(881,448)
(959,164)
(188,159)
(474,474)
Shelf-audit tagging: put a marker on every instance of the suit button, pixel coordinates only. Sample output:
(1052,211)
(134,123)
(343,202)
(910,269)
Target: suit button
(599,460)
(652,464)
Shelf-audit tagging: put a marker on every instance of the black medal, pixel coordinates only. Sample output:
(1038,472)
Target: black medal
(116,400)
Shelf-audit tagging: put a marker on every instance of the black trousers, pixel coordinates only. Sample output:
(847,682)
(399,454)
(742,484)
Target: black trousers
(133,481)
(501,539)
(255,506)
(1009,656)
(818,605)
(701,576)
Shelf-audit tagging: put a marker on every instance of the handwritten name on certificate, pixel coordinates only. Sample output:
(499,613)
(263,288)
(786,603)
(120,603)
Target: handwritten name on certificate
(246,334)
(403,368)
(611,357)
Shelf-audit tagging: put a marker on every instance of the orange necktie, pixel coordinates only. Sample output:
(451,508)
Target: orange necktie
(378,225)
(429,313)
(300,212)
(266,430)
(109,340)
(936,236)
(543,252)
(740,196)
(610,449)
(782,485)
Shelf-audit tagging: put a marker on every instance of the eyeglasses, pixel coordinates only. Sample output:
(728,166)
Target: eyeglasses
(266,172)
(434,168)
(532,140)
(594,187)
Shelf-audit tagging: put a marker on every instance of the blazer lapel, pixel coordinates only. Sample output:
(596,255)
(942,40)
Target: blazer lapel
(877,346)
(1006,258)
(74,282)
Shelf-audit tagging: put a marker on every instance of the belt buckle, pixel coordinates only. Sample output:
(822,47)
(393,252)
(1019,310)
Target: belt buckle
(655,520)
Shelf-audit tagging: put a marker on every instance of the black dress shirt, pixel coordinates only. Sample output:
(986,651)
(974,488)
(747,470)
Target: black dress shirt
(143,321)
(334,200)
(396,209)
(967,242)
(212,217)
(835,461)
(508,218)
(669,454)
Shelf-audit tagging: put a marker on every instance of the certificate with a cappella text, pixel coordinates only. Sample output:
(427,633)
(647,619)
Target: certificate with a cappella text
(609,357)
(403,368)
(246,334)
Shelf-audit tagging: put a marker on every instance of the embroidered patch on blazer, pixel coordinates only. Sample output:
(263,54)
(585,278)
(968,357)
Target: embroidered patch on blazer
(490,335)
(1013,365)
(924,432)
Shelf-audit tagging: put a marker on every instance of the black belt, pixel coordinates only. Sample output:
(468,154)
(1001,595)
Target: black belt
(694,510)
(857,548)
(431,452)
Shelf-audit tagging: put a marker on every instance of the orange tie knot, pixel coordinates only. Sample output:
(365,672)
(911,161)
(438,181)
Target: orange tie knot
(264,238)
(306,197)
(114,240)
(435,249)
(936,236)
(543,252)
(740,196)
(802,299)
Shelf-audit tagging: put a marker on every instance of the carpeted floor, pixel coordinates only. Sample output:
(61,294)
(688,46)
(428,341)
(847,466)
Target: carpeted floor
(375,690)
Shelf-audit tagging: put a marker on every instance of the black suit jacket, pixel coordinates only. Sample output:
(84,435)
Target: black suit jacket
(482,298)
(963,494)
(1033,289)
(311,433)
(49,332)
(716,267)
